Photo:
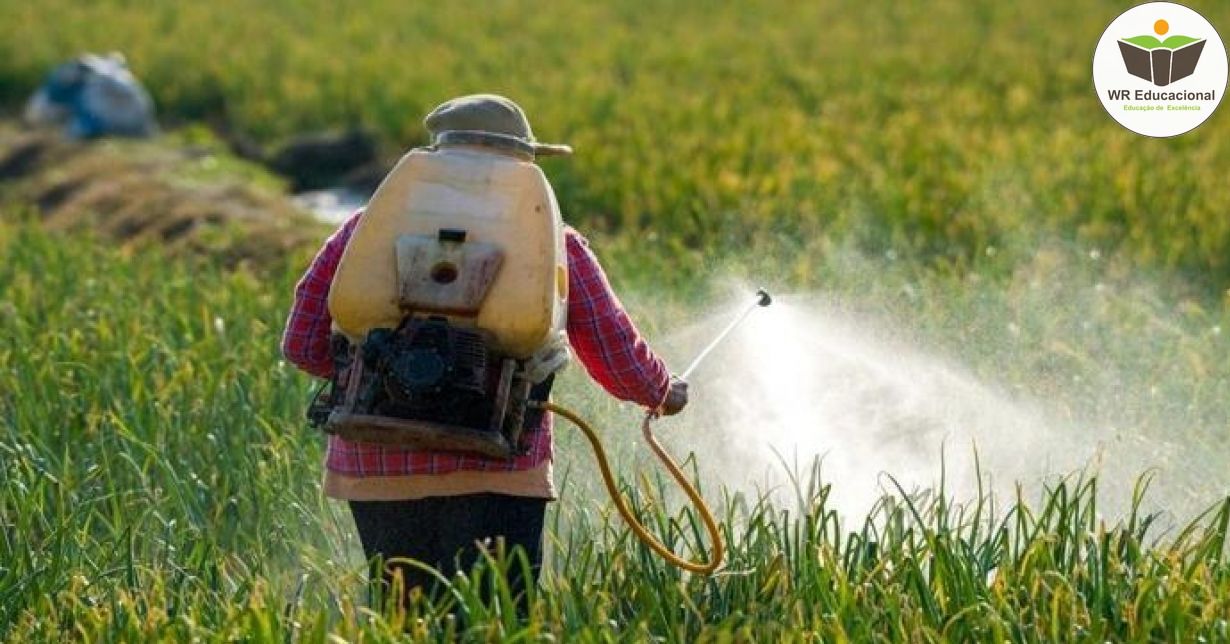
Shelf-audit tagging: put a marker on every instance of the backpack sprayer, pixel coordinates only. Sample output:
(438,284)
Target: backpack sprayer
(448,308)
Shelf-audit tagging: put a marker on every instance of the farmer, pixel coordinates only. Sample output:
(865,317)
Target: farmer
(443,507)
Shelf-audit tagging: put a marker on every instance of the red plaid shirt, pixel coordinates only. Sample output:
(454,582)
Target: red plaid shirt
(602,336)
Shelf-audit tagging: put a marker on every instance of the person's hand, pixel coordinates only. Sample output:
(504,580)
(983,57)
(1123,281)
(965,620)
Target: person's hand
(676,398)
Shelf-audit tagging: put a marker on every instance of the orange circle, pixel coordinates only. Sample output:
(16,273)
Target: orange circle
(1161,27)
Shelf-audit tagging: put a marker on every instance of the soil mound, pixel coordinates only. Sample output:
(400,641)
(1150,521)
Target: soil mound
(184,196)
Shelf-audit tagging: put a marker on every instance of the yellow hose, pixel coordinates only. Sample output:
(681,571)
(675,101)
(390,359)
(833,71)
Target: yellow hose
(641,532)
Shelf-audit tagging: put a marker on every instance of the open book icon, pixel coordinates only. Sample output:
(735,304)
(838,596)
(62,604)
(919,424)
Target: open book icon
(1161,62)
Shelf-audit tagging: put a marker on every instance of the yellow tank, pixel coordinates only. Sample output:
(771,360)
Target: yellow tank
(512,229)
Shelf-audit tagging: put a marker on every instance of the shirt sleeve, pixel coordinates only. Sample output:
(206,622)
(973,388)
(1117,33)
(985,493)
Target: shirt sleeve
(603,336)
(305,341)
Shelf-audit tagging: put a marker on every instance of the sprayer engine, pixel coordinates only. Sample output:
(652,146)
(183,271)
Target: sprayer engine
(428,384)
(429,370)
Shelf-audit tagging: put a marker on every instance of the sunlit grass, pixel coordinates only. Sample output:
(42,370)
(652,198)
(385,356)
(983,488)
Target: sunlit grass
(158,483)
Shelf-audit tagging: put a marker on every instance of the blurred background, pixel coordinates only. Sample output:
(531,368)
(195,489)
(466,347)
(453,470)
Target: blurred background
(931,131)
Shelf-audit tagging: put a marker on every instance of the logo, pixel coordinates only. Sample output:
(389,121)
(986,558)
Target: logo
(1161,62)
(1191,65)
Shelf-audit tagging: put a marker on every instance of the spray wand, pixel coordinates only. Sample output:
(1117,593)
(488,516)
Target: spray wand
(762,299)
(707,567)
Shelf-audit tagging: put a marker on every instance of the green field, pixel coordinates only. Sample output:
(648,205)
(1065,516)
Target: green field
(931,129)
(159,484)
(960,234)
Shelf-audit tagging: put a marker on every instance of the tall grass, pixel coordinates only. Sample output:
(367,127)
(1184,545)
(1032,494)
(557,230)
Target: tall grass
(157,483)
(927,129)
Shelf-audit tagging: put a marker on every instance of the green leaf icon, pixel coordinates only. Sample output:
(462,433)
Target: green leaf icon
(1151,42)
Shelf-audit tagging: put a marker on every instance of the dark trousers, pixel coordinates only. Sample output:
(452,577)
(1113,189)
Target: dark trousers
(447,533)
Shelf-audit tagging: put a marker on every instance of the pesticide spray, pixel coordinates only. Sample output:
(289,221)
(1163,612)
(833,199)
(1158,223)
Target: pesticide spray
(806,383)
(814,379)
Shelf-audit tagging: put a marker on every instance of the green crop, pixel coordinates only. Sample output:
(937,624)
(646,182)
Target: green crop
(157,482)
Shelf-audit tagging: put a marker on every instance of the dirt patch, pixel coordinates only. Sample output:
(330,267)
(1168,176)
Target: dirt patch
(22,158)
(157,192)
